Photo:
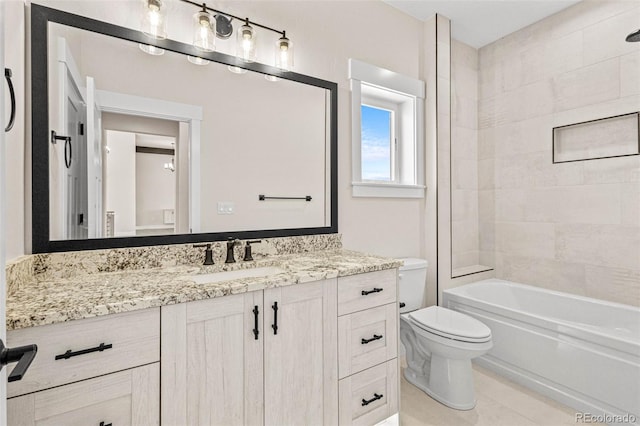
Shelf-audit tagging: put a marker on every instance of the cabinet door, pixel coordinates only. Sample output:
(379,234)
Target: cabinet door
(300,357)
(212,372)
(127,398)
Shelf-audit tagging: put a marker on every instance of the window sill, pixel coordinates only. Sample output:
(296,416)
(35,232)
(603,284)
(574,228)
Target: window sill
(387,190)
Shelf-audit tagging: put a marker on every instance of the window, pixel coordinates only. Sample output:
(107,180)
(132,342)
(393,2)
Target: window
(387,116)
(378,138)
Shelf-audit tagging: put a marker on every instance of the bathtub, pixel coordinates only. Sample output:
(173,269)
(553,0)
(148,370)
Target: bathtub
(582,352)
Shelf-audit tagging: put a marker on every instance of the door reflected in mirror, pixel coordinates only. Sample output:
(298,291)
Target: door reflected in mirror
(160,145)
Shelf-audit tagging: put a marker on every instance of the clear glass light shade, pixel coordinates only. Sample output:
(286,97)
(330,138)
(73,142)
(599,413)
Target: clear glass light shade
(236,70)
(284,54)
(197,60)
(154,19)
(151,50)
(246,43)
(204,33)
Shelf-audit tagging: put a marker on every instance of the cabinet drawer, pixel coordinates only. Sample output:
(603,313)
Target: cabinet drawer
(370,396)
(364,291)
(367,338)
(126,398)
(134,338)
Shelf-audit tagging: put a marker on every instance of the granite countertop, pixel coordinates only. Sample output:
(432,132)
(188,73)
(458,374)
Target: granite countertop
(53,300)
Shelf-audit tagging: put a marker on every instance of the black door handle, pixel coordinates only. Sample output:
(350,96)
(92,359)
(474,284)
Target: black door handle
(23,355)
(375,290)
(12,94)
(375,398)
(256,332)
(67,161)
(275,317)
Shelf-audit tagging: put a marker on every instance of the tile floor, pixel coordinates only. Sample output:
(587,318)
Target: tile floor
(500,403)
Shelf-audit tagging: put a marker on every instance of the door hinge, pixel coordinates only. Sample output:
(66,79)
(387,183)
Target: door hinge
(81,129)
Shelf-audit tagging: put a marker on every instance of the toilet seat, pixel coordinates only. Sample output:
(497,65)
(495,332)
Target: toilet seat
(450,324)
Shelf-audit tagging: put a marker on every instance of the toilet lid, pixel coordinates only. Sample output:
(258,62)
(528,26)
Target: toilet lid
(447,323)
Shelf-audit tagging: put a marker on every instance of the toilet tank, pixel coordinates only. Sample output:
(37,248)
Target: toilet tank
(412,282)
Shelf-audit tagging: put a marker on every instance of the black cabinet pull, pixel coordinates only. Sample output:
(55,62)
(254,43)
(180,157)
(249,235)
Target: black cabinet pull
(402,304)
(255,322)
(275,317)
(23,355)
(374,338)
(375,290)
(375,398)
(103,424)
(69,354)
(12,94)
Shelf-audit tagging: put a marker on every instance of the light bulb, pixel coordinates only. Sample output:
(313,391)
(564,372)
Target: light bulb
(204,36)
(246,43)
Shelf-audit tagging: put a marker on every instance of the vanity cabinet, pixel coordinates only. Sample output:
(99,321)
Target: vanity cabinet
(129,398)
(265,357)
(97,371)
(368,347)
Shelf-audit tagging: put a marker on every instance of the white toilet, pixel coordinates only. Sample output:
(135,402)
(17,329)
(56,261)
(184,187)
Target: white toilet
(439,343)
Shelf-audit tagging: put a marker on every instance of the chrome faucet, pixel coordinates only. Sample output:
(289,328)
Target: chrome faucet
(230,245)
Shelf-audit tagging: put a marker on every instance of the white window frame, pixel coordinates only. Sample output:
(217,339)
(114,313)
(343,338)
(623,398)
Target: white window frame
(405,186)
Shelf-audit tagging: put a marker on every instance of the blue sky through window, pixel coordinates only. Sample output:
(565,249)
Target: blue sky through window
(376,144)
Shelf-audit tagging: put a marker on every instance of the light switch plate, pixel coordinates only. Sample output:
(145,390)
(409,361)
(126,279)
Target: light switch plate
(226,207)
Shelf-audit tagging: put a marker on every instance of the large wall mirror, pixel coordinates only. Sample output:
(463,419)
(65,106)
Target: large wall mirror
(133,149)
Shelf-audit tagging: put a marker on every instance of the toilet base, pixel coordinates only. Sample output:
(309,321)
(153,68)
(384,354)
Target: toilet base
(464,400)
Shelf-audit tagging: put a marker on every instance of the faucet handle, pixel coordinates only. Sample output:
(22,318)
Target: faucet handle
(208,253)
(247,250)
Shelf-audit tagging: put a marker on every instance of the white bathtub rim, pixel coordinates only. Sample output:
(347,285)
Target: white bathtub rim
(629,344)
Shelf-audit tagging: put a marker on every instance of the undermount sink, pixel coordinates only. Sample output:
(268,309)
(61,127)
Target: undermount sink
(216,277)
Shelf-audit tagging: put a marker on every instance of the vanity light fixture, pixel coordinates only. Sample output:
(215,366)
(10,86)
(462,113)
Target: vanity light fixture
(208,26)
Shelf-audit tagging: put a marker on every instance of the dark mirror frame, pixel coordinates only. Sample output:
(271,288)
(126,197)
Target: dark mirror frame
(41,243)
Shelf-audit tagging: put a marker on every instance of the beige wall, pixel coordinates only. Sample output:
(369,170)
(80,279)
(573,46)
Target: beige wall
(573,227)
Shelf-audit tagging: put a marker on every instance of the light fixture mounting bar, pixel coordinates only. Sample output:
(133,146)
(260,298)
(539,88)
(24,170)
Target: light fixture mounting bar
(204,6)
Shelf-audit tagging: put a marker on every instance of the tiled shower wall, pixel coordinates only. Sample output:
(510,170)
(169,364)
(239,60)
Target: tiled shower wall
(465,241)
(572,227)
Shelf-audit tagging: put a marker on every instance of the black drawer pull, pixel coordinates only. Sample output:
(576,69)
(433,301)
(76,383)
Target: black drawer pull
(375,398)
(374,338)
(103,424)
(275,317)
(402,304)
(375,290)
(255,322)
(68,354)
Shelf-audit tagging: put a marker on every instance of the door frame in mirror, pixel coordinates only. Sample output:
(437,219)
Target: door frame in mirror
(41,16)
